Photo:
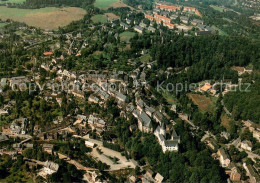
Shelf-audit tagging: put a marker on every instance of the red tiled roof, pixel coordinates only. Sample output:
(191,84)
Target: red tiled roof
(47,53)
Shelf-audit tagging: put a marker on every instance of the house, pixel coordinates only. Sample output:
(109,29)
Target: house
(158,178)
(149,173)
(196,22)
(48,169)
(132,179)
(149,110)
(151,29)
(3,138)
(129,20)
(47,147)
(3,82)
(162,18)
(121,97)
(95,122)
(158,117)
(143,25)
(206,87)
(144,122)
(19,126)
(18,80)
(235,174)
(89,144)
(174,17)
(3,112)
(168,8)
(183,28)
(202,33)
(93,99)
(246,145)
(125,26)
(167,144)
(48,53)
(169,25)
(189,9)
(252,173)
(138,29)
(223,158)
(184,19)
(226,135)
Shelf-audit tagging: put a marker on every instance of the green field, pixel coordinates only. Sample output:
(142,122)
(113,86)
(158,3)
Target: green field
(12,1)
(126,36)
(103,4)
(217,8)
(2,24)
(99,18)
(222,33)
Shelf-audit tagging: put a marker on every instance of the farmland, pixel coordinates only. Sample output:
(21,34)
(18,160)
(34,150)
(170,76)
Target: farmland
(45,18)
(204,103)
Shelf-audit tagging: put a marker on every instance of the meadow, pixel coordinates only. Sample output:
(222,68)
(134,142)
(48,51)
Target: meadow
(126,36)
(103,4)
(99,18)
(45,18)
(12,1)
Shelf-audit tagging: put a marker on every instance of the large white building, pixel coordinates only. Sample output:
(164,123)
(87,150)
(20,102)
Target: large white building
(167,145)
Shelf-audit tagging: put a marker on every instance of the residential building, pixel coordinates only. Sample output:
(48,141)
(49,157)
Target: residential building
(184,19)
(138,29)
(152,29)
(223,158)
(125,26)
(158,178)
(252,173)
(144,122)
(235,174)
(246,145)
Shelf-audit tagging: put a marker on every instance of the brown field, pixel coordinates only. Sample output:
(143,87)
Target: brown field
(111,16)
(121,4)
(204,103)
(45,18)
(225,121)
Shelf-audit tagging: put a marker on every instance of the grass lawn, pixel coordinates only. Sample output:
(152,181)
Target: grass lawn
(103,4)
(99,18)
(145,58)
(2,24)
(126,36)
(225,121)
(204,103)
(45,18)
(169,98)
(220,32)
(217,8)
(12,1)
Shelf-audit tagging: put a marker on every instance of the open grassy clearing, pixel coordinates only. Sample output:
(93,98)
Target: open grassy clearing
(99,18)
(169,98)
(12,1)
(45,18)
(204,103)
(146,58)
(2,24)
(111,16)
(103,4)
(217,8)
(126,36)
(225,121)
(220,32)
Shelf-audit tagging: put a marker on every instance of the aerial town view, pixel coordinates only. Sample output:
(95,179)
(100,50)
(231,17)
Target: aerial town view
(135,91)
